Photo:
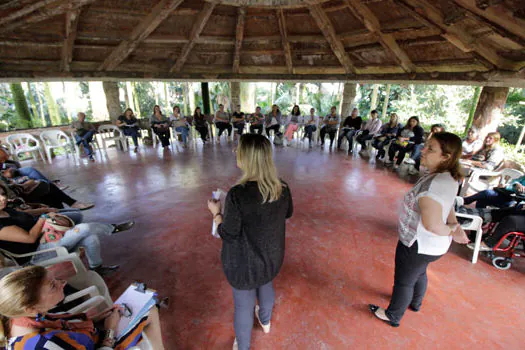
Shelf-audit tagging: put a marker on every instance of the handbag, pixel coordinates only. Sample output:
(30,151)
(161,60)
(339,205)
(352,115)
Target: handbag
(55,227)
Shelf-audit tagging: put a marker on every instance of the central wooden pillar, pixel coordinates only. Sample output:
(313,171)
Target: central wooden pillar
(235,91)
(490,109)
(205,98)
(112,99)
(349,93)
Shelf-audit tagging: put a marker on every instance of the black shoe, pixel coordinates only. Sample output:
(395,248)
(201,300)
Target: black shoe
(373,308)
(162,303)
(104,270)
(415,309)
(123,227)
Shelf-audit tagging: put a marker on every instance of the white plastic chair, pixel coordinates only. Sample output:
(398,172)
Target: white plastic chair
(476,224)
(21,143)
(53,139)
(175,134)
(94,144)
(110,133)
(483,179)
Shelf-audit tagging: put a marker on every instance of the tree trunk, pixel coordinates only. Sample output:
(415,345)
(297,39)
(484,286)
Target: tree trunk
(235,91)
(473,106)
(46,121)
(54,116)
(490,109)
(520,140)
(129,96)
(136,100)
(205,98)
(387,99)
(34,109)
(112,99)
(373,98)
(19,98)
(349,93)
(248,97)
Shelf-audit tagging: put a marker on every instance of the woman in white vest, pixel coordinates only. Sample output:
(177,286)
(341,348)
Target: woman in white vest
(427,226)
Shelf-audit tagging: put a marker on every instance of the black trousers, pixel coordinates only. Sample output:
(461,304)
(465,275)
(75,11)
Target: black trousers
(224,126)
(164,136)
(410,280)
(330,132)
(239,127)
(203,131)
(309,130)
(363,137)
(349,134)
(54,198)
(259,129)
(380,146)
(276,129)
(402,151)
(512,223)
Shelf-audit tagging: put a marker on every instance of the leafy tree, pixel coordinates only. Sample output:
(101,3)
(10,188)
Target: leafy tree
(513,116)
(24,116)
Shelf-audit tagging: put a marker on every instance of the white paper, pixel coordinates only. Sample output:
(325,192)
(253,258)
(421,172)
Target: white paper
(136,301)
(217,195)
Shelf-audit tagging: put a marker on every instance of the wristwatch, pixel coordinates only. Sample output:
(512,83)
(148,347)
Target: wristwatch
(109,337)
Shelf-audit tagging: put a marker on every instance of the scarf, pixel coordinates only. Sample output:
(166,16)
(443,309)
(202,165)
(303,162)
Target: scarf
(72,322)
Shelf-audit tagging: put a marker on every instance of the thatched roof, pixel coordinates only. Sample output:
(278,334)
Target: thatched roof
(461,41)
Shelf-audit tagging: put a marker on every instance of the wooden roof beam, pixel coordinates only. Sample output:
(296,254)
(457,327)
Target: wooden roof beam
(239,34)
(196,30)
(72,18)
(367,17)
(158,14)
(43,14)
(458,37)
(25,10)
(284,39)
(323,22)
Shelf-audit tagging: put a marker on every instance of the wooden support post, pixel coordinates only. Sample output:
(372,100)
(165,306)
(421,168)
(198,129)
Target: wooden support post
(239,34)
(72,18)
(347,102)
(112,99)
(284,40)
(205,99)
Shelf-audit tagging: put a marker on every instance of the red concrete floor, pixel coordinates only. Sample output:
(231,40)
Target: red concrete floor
(339,257)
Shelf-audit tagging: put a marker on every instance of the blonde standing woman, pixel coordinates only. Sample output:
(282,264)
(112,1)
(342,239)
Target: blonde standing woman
(253,234)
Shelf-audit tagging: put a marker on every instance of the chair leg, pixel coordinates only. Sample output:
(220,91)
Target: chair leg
(48,153)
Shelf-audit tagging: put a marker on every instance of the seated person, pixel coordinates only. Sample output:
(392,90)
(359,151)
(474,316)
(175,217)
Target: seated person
(292,123)
(273,121)
(369,130)
(310,123)
(222,122)
(407,138)
(351,126)
(257,121)
(129,126)
(472,144)
(415,156)
(491,155)
(160,126)
(39,191)
(84,132)
(238,121)
(332,124)
(180,123)
(201,124)
(29,294)
(6,163)
(493,198)
(387,133)
(21,233)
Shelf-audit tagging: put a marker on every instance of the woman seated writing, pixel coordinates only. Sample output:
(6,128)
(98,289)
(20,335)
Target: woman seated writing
(201,124)
(491,155)
(179,122)
(388,133)
(160,126)
(22,233)
(293,123)
(129,126)
(26,299)
(407,139)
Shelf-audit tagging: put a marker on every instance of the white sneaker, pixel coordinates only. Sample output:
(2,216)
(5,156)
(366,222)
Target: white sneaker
(266,328)
(235,345)
(482,247)
(410,161)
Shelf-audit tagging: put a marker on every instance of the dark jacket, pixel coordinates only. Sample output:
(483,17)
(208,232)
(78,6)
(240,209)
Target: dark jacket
(353,123)
(419,135)
(253,236)
(387,129)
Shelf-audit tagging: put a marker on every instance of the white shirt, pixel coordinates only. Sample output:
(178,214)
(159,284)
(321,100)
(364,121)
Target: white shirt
(441,188)
(469,148)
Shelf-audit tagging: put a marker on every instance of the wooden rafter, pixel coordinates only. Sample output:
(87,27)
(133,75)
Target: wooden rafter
(42,14)
(25,10)
(323,22)
(158,14)
(196,30)
(239,34)
(284,40)
(367,17)
(72,18)
(459,37)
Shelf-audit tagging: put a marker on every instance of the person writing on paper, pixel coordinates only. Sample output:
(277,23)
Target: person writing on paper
(427,226)
(25,301)
(253,235)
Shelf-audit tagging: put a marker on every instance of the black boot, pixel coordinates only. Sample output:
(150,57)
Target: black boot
(123,227)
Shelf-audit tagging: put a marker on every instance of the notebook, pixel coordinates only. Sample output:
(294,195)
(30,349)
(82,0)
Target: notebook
(139,301)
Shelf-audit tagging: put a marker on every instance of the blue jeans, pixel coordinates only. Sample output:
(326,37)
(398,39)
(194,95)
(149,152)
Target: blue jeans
(73,214)
(83,235)
(134,133)
(85,141)
(184,132)
(244,301)
(309,130)
(489,197)
(416,155)
(349,134)
(32,173)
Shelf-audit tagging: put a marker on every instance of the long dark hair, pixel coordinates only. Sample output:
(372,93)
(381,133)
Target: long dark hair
(407,125)
(195,112)
(298,110)
(160,110)
(450,145)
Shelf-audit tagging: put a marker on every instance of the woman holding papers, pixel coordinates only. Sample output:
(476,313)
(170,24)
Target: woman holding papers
(28,295)
(253,234)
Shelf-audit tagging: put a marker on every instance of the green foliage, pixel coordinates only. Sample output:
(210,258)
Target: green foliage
(219,94)
(513,115)
(146,98)
(22,109)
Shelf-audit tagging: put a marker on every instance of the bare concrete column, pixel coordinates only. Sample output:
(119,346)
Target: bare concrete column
(347,103)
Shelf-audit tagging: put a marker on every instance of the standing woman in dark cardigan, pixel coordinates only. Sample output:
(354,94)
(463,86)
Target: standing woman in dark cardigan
(253,233)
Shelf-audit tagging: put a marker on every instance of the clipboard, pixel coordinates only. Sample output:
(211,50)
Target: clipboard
(137,300)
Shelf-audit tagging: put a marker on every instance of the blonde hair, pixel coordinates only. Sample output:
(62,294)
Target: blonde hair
(20,291)
(496,136)
(254,156)
(395,118)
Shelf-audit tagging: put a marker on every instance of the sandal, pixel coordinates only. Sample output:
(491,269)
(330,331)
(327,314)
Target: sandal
(373,308)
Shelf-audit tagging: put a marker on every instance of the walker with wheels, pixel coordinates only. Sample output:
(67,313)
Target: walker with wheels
(512,244)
